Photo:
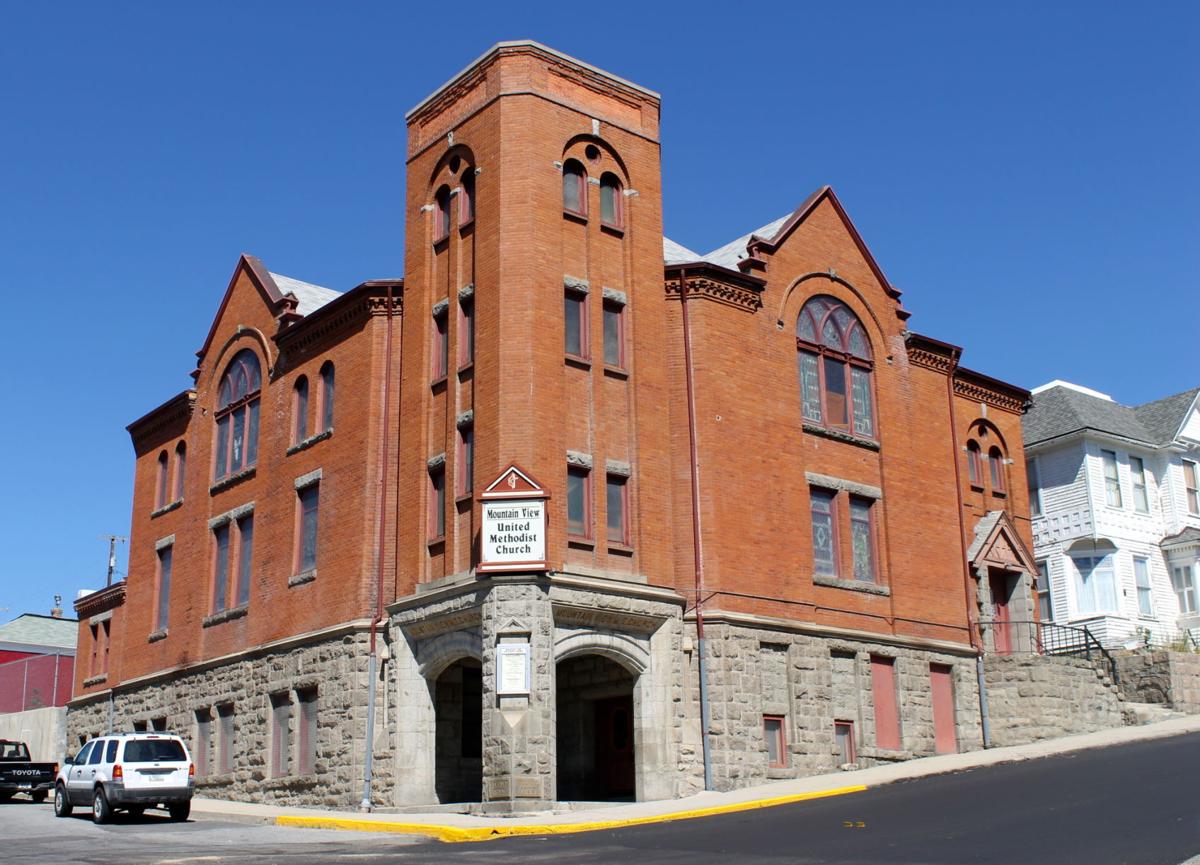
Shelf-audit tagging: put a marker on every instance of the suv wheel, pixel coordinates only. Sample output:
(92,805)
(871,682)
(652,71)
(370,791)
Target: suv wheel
(62,803)
(180,810)
(101,810)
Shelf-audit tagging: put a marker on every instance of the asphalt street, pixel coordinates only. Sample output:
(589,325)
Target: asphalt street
(1133,804)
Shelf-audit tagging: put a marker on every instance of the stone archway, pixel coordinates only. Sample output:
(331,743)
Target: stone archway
(595,730)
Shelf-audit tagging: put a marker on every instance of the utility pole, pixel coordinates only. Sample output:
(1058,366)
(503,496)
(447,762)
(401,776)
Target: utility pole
(112,555)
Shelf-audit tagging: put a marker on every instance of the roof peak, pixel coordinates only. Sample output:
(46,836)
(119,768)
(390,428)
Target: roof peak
(1078,388)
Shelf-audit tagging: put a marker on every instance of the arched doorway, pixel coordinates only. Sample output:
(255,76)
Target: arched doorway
(595,729)
(458,752)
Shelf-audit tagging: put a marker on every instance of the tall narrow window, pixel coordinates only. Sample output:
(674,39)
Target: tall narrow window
(466,331)
(614,334)
(1112,480)
(824,533)
(574,188)
(300,410)
(974,465)
(887,712)
(245,528)
(1191,487)
(225,737)
(1045,600)
(281,735)
(862,539)
(441,214)
(308,507)
(105,642)
(327,390)
(466,460)
(437,502)
(466,197)
(578,504)
(996,470)
(180,469)
(1095,585)
(773,738)
(165,555)
(610,201)
(160,482)
(575,324)
(835,367)
(220,567)
(441,344)
(617,504)
(1141,498)
(237,414)
(1185,589)
(306,748)
(1032,482)
(1145,593)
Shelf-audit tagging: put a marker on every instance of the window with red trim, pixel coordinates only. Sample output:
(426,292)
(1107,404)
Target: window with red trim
(824,532)
(327,387)
(308,505)
(996,471)
(466,332)
(300,410)
(774,737)
(835,367)
(575,330)
(614,334)
(465,469)
(180,468)
(574,181)
(617,504)
(579,508)
(437,503)
(441,345)
(974,464)
(466,197)
(611,201)
(160,481)
(441,214)
(237,414)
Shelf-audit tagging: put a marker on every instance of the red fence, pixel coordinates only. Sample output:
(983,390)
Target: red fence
(36,682)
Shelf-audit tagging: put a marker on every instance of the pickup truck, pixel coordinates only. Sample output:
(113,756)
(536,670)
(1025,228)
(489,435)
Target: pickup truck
(19,775)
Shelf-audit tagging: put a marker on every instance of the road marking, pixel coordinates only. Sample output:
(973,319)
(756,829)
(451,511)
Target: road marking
(459,834)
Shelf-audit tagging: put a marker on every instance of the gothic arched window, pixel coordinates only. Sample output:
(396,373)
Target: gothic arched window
(835,367)
(237,414)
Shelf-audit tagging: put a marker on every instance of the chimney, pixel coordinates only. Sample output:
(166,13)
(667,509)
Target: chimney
(56,611)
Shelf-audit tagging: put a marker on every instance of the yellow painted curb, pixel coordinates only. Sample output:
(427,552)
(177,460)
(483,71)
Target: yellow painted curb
(456,834)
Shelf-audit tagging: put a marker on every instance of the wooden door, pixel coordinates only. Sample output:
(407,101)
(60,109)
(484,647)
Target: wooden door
(614,746)
(1001,626)
(941,686)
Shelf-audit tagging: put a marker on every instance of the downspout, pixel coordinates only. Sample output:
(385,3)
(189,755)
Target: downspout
(984,720)
(377,612)
(697,543)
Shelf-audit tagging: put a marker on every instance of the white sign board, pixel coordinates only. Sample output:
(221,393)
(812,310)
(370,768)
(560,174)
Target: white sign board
(514,532)
(512,668)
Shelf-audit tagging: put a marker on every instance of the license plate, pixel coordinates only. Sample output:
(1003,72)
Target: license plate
(157,779)
(25,786)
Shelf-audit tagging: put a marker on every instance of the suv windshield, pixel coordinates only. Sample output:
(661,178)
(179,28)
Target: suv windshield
(14,751)
(153,750)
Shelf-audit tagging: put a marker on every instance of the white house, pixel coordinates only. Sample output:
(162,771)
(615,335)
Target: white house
(1114,492)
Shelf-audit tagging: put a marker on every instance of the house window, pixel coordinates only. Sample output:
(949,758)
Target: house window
(1045,601)
(225,738)
(237,414)
(1145,596)
(996,471)
(1112,481)
(1035,491)
(466,198)
(165,556)
(160,483)
(974,465)
(466,460)
(245,531)
(843,736)
(1185,589)
(575,341)
(300,410)
(308,507)
(202,754)
(234,543)
(1191,486)
(441,214)
(441,344)
(437,502)
(835,367)
(100,635)
(327,389)
(180,465)
(281,735)
(1141,499)
(775,740)
(617,504)
(306,748)
(824,532)
(466,331)
(862,539)
(222,539)
(614,334)
(610,201)
(579,521)
(1095,585)
(887,712)
(574,188)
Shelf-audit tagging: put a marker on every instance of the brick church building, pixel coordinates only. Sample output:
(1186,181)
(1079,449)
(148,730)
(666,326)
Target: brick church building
(752,437)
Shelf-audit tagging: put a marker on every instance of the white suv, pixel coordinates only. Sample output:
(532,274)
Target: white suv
(129,771)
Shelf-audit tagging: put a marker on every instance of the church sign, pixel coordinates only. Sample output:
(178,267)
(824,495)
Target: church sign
(513,531)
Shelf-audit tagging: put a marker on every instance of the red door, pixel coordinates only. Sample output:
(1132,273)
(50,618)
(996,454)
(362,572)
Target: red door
(614,746)
(1000,616)
(945,740)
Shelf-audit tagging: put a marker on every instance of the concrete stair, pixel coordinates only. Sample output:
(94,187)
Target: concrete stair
(1140,714)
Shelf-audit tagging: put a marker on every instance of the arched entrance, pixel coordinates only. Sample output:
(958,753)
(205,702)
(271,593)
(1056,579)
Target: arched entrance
(458,752)
(595,729)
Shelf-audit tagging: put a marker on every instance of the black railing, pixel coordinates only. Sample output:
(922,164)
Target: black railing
(1047,638)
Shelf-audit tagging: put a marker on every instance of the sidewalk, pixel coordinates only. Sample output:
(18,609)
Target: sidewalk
(466,827)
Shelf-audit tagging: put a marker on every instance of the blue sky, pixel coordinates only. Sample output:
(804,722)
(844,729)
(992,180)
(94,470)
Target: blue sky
(1024,172)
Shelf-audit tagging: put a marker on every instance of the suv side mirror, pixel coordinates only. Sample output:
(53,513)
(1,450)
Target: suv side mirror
(69,760)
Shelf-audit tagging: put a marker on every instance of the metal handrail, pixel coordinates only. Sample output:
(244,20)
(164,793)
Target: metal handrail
(1048,638)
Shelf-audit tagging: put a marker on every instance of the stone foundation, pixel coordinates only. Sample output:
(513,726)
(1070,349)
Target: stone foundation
(1034,697)
(1167,678)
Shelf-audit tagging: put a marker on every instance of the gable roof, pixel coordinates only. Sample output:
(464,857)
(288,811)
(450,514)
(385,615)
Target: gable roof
(731,253)
(996,542)
(1063,408)
(674,253)
(33,629)
(311,297)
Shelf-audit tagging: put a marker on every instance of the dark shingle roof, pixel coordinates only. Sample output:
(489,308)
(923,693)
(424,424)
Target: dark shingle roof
(1059,410)
(1164,417)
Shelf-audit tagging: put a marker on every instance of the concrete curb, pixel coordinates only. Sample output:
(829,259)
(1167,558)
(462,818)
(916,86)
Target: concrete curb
(458,834)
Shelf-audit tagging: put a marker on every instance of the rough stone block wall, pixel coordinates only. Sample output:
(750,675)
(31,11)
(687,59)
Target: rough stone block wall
(1167,678)
(1034,697)
(337,668)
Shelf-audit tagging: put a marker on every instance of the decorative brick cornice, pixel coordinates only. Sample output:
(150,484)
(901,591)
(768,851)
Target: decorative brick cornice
(171,418)
(727,293)
(980,388)
(930,360)
(931,353)
(341,313)
(99,602)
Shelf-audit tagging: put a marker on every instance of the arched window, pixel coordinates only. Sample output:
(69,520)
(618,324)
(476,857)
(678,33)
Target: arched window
(974,464)
(835,367)
(996,469)
(610,200)
(327,396)
(574,187)
(160,482)
(180,466)
(300,410)
(441,226)
(466,198)
(237,414)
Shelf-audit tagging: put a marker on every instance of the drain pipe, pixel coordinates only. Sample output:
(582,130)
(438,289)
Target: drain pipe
(697,543)
(377,612)
(984,720)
